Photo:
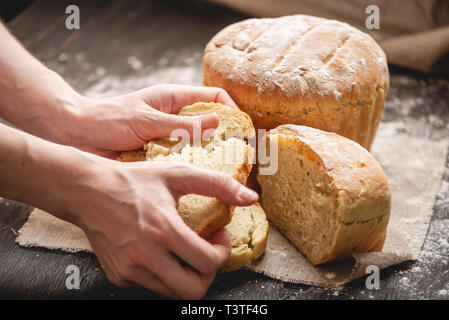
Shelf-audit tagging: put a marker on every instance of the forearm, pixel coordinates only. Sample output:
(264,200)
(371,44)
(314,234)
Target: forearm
(33,97)
(44,174)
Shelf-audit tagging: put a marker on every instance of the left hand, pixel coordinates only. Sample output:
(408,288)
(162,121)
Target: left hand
(106,126)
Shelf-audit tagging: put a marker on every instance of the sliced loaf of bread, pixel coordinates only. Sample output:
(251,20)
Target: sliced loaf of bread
(329,196)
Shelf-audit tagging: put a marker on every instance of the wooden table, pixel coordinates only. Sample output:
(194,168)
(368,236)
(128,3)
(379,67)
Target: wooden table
(125,45)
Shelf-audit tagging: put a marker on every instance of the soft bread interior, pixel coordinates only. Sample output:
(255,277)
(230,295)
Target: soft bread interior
(329,196)
(300,198)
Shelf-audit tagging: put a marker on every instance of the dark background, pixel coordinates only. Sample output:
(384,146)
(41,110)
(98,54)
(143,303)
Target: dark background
(11,8)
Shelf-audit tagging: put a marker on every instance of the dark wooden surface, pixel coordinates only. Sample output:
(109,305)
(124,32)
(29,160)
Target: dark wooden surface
(172,34)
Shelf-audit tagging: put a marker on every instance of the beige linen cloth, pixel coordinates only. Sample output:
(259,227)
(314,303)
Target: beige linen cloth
(414,168)
(413,33)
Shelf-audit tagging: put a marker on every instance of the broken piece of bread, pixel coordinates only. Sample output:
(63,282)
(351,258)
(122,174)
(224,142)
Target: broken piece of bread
(248,230)
(225,150)
(329,196)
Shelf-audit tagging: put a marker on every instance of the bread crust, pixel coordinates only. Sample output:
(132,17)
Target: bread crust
(301,70)
(363,195)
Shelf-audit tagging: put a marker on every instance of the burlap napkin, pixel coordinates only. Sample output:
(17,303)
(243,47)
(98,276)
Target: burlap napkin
(413,34)
(414,168)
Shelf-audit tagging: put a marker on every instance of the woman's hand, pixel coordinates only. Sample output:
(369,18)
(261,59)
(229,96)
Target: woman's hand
(127,210)
(130,218)
(128,122)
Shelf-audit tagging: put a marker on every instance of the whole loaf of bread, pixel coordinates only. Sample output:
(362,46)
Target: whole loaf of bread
(301,70)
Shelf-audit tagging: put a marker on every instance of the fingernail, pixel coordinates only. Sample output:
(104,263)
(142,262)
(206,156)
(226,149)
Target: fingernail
(246,194)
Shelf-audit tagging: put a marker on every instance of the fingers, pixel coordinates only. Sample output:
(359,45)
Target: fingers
(173,279)
(195,126)
(109,266)
(193,94)
(135,276)
(185,282)
(181,95)
(184,179)
(102,153)
(149,281)
(157,268)
(222,242)
(203,256)
(123,272)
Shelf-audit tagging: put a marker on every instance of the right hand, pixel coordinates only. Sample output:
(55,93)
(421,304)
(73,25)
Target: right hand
(130,218)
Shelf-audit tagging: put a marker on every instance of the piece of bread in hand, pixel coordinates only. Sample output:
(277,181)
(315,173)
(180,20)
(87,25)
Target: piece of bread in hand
(225,150)
(249,233)
(329,196)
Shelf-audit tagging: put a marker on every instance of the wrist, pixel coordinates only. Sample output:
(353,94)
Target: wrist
(55,178)
(66,126)
(33,97)
(56,110)
(41,103)
(80,182)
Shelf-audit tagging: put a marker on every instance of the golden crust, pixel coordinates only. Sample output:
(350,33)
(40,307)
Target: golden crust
(347,163)
(216,220)
(301,70)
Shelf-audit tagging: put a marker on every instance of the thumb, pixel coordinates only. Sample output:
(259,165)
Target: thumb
(221,240)
(194,125)
(186,179)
